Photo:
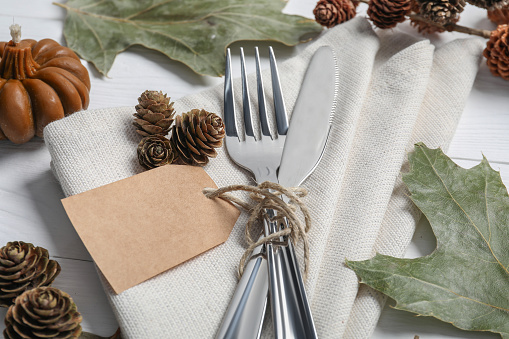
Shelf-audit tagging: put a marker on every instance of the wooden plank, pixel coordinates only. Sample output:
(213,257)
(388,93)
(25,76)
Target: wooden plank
(20,9)
(31,210)
(396,324)
(31,27)
(483,126)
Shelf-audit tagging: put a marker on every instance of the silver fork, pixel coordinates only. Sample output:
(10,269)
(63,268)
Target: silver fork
(262,156)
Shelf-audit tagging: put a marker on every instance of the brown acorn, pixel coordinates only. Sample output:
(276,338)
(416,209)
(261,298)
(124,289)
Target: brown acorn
(23,267)
(195,136)
(330,13)
(44,312)
(155,151)
(154,114)
(388,13)
(497,52)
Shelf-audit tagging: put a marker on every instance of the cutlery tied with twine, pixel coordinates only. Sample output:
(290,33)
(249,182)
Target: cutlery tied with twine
(267,196)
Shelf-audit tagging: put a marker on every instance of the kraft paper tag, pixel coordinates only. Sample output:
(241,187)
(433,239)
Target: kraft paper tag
(144,225)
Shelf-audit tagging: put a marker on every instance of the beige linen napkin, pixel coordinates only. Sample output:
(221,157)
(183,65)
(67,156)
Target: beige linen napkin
(392,91)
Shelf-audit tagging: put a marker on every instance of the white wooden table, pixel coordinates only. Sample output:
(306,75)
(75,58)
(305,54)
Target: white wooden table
(30,208)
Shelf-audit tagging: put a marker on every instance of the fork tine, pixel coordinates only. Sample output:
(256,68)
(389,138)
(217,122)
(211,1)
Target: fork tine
(279,104)
(229,106)
(246,107)
(262,111)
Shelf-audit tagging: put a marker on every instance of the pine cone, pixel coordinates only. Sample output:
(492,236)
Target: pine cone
(424,27)
(442,12)
(154,114)
(489,4)
(44,312)
(195,136)
(155,151)
(330,13)
(497,52)
(500,16)
(388,13)
(24,267)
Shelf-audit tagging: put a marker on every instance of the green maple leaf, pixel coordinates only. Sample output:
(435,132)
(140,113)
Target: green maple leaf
(195,32)
(465,281)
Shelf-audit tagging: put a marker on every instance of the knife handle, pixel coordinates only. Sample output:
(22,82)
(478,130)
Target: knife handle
(245,313)
(299,312)
(291,311)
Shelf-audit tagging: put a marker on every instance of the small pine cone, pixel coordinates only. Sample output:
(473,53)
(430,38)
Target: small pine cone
(330,13)
(154,114)
(442,12)
(44,312)
(489,4)
(155,151)
(497,52)
(424,27)
(388,13)
(24,267)
(500,16)
(195,136)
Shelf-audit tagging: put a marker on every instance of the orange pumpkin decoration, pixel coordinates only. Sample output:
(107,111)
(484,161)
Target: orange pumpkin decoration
(40,82)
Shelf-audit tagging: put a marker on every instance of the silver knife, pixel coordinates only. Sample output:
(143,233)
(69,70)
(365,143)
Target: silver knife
(305,142)
(311,120)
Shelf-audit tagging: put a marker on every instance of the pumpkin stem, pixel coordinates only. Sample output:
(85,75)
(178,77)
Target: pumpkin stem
(15,33)
(17,61)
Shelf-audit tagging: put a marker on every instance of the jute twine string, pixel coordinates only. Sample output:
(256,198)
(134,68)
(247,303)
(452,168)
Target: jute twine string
(267,196)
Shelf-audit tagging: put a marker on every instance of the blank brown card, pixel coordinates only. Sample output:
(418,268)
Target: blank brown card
(144,225)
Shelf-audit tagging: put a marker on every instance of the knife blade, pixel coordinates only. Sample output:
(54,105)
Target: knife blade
(310,121)
(305,142)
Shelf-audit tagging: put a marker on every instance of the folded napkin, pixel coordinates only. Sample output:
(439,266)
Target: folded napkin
(392,91)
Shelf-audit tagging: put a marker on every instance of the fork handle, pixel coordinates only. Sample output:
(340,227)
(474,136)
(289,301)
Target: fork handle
(244,316)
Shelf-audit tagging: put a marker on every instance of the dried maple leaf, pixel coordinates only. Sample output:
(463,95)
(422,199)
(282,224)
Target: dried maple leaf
(465,281)
(88,335)
(193,32)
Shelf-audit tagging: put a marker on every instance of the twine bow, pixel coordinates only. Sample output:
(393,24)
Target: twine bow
(264,199)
